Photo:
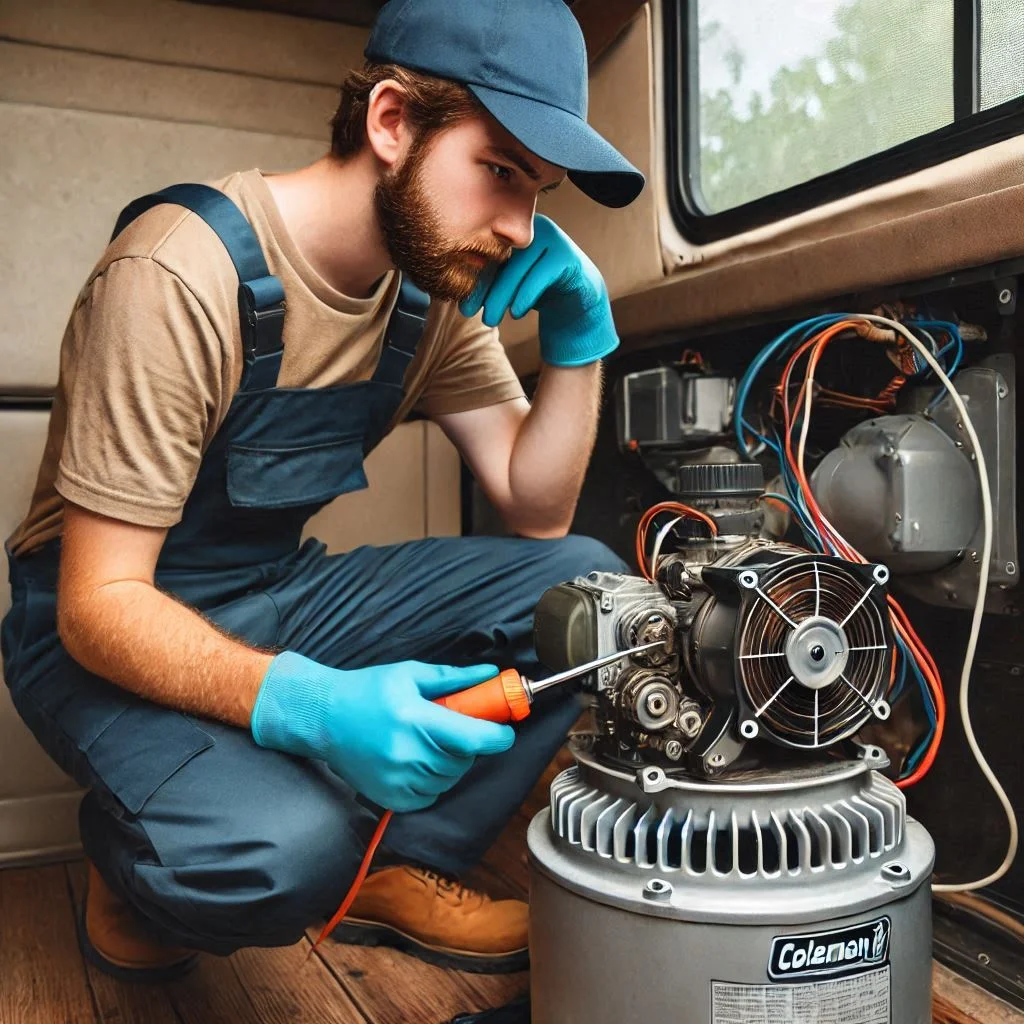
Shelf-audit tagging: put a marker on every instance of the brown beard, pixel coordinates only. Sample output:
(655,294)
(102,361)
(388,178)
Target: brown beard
(415,240)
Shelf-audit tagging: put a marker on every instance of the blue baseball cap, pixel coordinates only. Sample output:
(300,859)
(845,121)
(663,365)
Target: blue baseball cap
(526,62)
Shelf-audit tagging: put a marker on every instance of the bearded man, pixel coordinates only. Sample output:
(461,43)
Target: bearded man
(240,705)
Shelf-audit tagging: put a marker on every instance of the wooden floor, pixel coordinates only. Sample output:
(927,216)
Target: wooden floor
(43,979)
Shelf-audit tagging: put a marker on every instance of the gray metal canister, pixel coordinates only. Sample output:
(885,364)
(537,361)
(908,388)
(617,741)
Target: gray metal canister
(798,897)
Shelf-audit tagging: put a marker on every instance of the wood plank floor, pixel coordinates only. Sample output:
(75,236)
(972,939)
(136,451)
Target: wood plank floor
(43,979)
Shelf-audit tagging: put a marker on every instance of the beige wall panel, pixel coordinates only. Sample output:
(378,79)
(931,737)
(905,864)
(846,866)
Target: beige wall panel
(39,828)
(61,188)
(24,769)
(393,508)
(443,484)
(193,35)
(84,81)
(969,233)
(623,243)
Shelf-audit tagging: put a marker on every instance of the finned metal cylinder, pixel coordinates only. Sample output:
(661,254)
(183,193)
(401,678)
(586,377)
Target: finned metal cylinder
(798,896)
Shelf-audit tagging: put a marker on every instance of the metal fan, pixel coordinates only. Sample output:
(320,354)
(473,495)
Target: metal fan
(813,657)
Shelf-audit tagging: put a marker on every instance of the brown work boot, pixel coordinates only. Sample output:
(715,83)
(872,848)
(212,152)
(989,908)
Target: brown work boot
(115,939)
(439,921)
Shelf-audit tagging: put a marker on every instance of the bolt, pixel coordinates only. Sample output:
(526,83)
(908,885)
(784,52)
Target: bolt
(717,760)
(899,517)
(1005,297)
(1011,569)
(689,724)
(673,750)
(984,959)
(1001,392)
(656,703)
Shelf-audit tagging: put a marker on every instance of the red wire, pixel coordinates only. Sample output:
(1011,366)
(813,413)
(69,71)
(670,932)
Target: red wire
(353,891)
(899,619)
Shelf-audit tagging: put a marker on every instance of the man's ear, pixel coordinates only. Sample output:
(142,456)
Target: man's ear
(386,128)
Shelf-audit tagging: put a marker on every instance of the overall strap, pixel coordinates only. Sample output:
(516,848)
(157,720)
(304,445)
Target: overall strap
(403,334)
(261,303)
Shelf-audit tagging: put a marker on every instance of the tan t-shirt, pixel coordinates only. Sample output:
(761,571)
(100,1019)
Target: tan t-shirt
(152,357)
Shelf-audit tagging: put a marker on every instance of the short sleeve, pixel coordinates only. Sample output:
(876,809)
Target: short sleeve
(144,383)
(472,370)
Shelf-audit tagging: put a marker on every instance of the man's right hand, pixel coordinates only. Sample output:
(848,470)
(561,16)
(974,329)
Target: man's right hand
(377,727)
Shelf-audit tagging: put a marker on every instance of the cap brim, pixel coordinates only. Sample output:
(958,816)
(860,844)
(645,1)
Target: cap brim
(595,166)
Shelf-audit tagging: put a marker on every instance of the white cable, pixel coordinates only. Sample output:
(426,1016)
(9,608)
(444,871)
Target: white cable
(662,534)
(979,610)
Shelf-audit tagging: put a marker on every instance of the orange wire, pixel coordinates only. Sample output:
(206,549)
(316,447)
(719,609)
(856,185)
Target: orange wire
(353,891)
(648,517)
(898,617)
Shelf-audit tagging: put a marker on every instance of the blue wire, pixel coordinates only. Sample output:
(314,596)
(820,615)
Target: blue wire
(922,745)
(794,497)
(743,388)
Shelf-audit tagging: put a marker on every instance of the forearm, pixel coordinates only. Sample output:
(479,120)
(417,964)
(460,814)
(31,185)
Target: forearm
(552,449)
(146,642)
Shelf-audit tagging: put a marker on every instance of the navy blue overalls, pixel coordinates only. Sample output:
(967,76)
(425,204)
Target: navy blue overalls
(220,843)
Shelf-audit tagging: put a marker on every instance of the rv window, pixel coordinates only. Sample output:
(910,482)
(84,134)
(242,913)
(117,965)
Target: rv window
(779,107)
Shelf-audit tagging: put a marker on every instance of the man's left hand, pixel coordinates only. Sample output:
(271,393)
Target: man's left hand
(555,277)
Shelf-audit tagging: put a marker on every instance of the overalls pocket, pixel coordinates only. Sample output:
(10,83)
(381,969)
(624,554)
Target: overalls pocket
(261,476)
(141,749)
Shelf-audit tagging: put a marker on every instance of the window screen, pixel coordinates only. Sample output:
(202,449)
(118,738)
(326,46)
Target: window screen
(791,91)
(1002,51)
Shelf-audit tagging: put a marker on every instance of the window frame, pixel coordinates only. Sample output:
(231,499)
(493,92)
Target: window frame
(971,129)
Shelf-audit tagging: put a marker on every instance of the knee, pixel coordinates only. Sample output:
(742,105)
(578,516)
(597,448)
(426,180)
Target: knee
(256,887)
(576,555)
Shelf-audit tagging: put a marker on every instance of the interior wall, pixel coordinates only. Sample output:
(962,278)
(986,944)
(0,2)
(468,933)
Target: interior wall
(101,102)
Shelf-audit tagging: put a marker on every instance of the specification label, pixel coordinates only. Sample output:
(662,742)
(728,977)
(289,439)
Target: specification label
(862,999)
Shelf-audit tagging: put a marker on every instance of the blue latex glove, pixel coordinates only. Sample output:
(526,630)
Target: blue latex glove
(555,277)
(376,727)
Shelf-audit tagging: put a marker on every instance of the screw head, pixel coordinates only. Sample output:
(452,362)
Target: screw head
(1011,569)
(1005,297)
(673,750)
(717,759)
(658,889)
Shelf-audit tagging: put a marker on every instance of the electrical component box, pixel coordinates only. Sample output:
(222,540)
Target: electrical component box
(665,407)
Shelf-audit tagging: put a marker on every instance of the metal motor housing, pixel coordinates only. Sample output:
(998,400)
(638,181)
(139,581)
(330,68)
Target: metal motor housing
(763,644)
(797,895)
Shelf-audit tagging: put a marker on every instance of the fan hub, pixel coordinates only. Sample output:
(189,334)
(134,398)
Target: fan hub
(817,652)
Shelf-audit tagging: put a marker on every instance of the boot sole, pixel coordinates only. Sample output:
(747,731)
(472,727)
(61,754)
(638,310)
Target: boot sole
(358,933)
(169,972)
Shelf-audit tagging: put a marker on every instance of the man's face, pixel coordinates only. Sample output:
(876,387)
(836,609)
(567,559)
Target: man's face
(464,198)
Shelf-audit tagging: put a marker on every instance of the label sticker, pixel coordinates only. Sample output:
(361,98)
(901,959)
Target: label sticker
(834,954)
(862,999)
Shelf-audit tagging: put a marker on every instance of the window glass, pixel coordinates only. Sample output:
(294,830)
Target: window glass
(790,91)
(1002,51)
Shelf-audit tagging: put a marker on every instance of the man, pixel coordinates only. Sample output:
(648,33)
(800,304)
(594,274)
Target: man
(240,705)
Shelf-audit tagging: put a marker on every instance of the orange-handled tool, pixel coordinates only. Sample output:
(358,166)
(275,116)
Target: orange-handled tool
(507,697)
(503,698)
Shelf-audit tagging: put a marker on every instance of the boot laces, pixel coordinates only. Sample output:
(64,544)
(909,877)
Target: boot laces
(451,890)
